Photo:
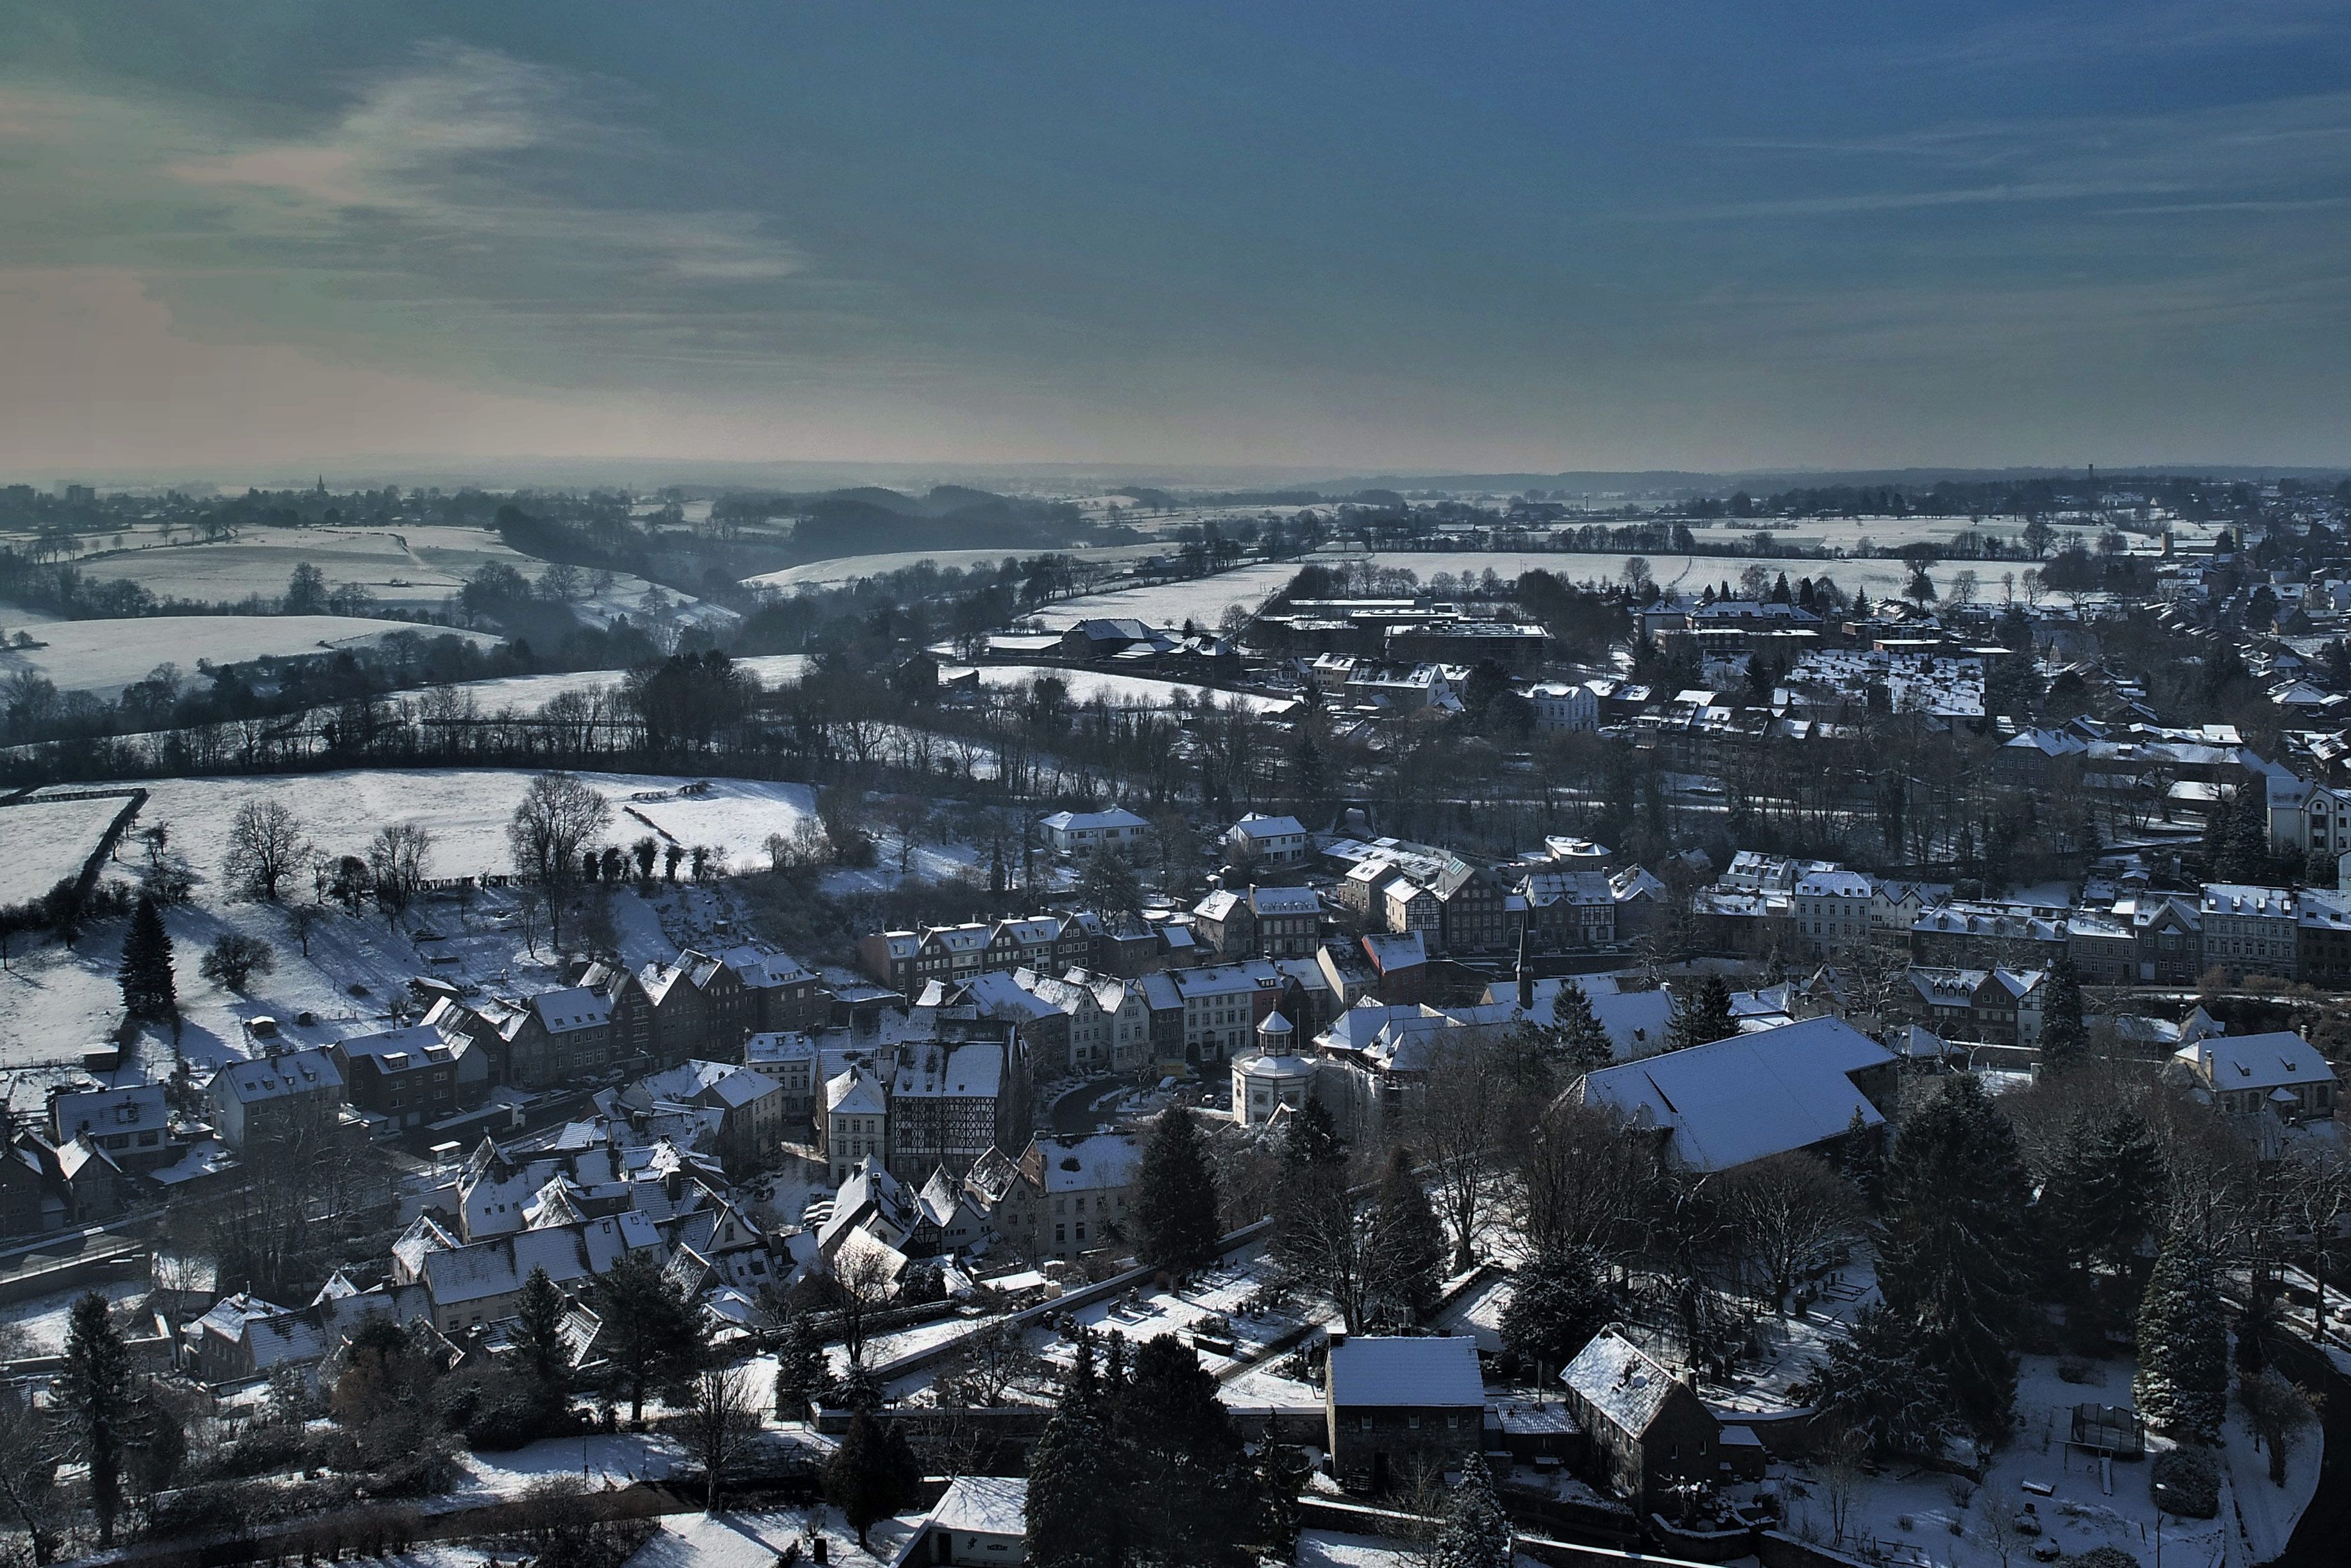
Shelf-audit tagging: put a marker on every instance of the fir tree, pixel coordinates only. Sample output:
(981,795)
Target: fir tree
(1310,1140)
(1072,1509)
(1558,1302)
(2182,1383)
(2064,1040)
(1702,1014)
(1187,1493)
(1477,1532)
(538,1332)
(799,1369)
(1175,1197)
(1583,1044)
(149,989)
(1409,1237)
(1280,1474)
(93,1388)
(657,1336)
(2102,1192)
(1955,1257)
(1861,1154)
(873,1474)
(1878,1388)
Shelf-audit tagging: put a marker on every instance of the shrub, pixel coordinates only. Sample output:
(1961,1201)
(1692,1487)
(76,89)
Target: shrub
(2105,1557)
(2191,1482)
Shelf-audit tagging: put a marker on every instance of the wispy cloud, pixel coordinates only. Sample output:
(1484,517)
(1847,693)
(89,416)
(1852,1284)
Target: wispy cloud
(467,205)
(2103,31)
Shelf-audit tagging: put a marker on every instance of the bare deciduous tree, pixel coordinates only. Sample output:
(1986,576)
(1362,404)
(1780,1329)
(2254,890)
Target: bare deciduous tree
(721,1425)
(1459,1113)
(560,814)
(397,857)
(1788,1211)
(266,845)
(862,1281)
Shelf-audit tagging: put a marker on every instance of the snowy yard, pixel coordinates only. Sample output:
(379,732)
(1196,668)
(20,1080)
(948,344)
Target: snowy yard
(757,1539)
(1909,1515)
(596,1458)
(104,656)
(47,841)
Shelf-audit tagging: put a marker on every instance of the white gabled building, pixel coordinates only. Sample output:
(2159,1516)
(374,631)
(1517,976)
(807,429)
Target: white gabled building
(1562,706)
(1082,832)
(1273,840)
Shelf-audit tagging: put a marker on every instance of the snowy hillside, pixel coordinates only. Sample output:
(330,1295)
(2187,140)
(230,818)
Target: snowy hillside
(104,656)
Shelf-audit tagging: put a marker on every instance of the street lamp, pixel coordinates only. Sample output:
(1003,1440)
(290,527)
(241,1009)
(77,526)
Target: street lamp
(2160,1489)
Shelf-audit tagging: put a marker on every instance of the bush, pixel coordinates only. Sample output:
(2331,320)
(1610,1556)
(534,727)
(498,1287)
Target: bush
(233,958)
(2105,1557)
(2191,1481)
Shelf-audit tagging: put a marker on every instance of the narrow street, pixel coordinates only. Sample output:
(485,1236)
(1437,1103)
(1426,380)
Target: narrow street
(1088,1106)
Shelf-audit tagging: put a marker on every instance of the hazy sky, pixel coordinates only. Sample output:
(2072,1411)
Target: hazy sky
(1564,234)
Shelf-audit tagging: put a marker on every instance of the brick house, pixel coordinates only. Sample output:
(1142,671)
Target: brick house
(1646,1431)
(1392,1404)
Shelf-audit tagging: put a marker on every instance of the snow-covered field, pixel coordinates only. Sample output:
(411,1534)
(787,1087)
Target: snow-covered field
(104,656)
(1201,599)
(467,810)
(47,841)
(1205,600)
(418,567)
(849,568)
(527,694)
(1085,685)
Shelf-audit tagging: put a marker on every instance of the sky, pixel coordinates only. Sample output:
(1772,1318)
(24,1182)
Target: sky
(290,234)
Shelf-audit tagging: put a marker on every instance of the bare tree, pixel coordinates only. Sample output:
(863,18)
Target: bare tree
(397,857)
(1788,1211)
(1839,1482)
(989,1364)
(862,1281)
(266,845)
(2317,1190)
(721,1425)
(28,1465)
(1579,1175)
(1459,1113)
(560,814)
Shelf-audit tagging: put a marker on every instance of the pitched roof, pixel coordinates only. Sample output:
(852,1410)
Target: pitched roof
(1423,1370)
(1620,1380)
(276,1077)
(1737,1100)
(2270,1061)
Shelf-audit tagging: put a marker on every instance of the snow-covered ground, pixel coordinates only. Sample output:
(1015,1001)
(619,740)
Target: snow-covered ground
(1911,1514)
(47,841)
(527,694)
(845,570)
(42,1320)
(1205,600)
(104,656)
(467,810)
(597,1457)
(56,1003)
(1085,685)
(748,1539)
